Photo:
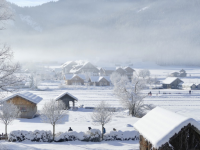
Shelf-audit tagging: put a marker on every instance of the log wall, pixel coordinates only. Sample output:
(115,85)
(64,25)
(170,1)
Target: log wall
(27,108)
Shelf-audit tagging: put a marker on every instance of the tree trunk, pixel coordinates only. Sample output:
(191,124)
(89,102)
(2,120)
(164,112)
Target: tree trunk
(53,132)
(102,131)
(6,131)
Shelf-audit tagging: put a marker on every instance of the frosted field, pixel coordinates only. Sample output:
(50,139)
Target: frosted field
(178,101)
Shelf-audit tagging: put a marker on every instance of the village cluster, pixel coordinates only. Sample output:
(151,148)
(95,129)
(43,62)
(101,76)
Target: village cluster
(157,135)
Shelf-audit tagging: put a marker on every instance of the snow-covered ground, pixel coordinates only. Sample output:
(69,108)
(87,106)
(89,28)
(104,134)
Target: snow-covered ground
(179,101)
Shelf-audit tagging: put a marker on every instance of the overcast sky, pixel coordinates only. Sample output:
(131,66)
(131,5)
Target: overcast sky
(29,2)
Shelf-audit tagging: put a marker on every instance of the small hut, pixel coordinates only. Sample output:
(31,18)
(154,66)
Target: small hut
(66,98)
(74,79)
(161,129)
(26,102)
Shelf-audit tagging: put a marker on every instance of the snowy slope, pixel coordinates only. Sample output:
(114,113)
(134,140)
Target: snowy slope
(162,31)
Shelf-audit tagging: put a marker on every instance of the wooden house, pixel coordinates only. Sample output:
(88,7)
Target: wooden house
(99,81)
(26,102)
(121,71)
(74,79)
(198,86)
(106,71)
(129,72)
(182,73)
(174,74)
(171,83)
(86,67)
(187,86)
(161,129)
(66,98)
(67,66)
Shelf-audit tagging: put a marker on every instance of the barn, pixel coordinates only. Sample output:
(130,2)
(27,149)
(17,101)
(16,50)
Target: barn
(171,83)
(161,129)
(26,102)
(66,98)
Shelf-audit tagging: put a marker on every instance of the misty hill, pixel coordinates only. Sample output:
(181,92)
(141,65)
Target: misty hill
(166,31)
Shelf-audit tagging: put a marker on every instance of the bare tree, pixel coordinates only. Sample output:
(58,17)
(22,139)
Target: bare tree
(8,69)
(130,95)
(102,115)
(144,73)
(115,77)
(8,113)
(5,12)
(34,81)
(53,113)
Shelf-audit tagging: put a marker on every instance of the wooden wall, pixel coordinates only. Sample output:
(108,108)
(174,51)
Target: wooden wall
(27,108)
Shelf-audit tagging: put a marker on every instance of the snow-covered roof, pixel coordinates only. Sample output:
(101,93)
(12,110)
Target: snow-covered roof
(109,68)
(159,125)
(98,78)
(26,95)
(169,80)
(94,78)
(186,84)
(63,94)
(67,63)
(69,76)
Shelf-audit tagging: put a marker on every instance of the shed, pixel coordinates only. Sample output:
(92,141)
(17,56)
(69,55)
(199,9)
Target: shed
(26,102)
(66,98)
(171,83)
(161,129)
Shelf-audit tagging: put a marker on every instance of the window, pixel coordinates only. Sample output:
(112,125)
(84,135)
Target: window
(23,109)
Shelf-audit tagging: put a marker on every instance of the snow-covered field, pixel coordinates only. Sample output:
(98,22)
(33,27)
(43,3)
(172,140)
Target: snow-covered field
(178,101)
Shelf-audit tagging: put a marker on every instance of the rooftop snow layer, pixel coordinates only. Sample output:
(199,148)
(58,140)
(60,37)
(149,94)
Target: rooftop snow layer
(65,93)
(159,125)
(26,95)
(169,80)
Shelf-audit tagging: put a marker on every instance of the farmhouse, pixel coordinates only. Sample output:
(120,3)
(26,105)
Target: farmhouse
(74,79)
(99,81)
(67,66)
(171,83)
(129,72)
(66,98)
(86,67)
(106,71)
(187,86)
(26,102)
(161,129)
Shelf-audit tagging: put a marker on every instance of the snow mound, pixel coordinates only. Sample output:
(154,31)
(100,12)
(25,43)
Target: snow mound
(122,136)
(21,135)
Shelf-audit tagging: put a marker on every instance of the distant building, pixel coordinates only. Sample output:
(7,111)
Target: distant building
(106,71)
(74,79)
(171,83)
(187,86)
(66,98)
(129,72)
(99,81)
(26,102)
(181,73)
(167,131)
(174,74)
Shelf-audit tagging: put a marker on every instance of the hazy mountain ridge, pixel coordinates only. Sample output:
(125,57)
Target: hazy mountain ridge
(163,31)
